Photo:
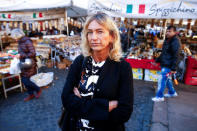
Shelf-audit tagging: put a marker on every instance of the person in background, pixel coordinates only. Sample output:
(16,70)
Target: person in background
(27,50)
(103,101)
(168,61)
(124,40)
(186,49)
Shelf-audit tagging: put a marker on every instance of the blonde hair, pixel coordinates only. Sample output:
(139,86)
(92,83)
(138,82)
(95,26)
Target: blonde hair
(107,22)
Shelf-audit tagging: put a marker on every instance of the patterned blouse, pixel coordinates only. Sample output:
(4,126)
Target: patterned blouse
(89,78)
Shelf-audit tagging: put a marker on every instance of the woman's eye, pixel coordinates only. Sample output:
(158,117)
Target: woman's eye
(89,32)
(100,32)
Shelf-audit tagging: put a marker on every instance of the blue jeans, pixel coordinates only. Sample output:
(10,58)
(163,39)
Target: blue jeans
(29,85)
(164,81)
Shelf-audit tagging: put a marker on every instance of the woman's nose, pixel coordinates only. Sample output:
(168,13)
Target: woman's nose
(94,36)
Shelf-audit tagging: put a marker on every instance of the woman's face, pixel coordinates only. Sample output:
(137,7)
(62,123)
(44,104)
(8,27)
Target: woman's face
(98,37)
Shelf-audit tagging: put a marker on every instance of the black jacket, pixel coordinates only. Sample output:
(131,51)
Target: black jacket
(115,83)
(170,53)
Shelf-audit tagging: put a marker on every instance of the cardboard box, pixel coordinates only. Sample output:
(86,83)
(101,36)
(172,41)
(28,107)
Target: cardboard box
(137,73)
(151,75)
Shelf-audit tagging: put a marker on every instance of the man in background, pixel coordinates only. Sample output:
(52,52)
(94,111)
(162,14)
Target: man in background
(168,61)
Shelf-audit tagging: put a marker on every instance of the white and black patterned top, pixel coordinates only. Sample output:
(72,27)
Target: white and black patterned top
(90,76)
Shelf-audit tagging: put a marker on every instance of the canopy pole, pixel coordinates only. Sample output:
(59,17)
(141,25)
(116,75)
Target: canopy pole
(66,17)
(165,25)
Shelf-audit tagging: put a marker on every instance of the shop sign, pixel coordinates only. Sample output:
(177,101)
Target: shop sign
(161,9)
(32,16)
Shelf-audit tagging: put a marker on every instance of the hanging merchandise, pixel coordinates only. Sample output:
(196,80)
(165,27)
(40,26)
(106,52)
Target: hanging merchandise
(55,24)
(195,24)
(59,24)
(4,23)
(44,25)
(180,22)
(15,24)
(74,23)
(10,24)
(138,22)
(189,24)
(39,26)
(50,25)
(152,23)
(117,20)
(27,26)
(158,22)
(33,27)
(164,22)
(21,25)
(36,25)
(62,23)
(79,24)
(145,22)
(172,22)
(65,22)
(71,21)
(125,22)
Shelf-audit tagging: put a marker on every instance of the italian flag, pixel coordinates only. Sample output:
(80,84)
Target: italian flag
(6,16)
(37,15)
(141,8)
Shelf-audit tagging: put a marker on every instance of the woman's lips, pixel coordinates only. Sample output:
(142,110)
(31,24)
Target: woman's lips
(95,44)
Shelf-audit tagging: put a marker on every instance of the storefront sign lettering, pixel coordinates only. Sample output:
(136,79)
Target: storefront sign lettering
(164,12)
(94,7)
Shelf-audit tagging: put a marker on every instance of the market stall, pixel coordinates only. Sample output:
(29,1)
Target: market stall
(46,22)
(146,22)
(6,76)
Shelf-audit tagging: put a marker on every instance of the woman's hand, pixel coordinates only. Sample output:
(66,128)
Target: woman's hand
(76,92)
(112,105)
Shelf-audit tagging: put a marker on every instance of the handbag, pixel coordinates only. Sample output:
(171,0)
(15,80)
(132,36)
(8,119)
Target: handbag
(61,119)
(64,112)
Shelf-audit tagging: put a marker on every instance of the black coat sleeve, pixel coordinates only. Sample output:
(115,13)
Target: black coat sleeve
(123,112)
(81,107)
(175,46)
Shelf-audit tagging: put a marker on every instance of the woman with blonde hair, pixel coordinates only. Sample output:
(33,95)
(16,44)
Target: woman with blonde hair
(98,93)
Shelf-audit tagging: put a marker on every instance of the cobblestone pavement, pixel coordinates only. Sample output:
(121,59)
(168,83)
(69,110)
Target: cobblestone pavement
(143,106)
(42,114)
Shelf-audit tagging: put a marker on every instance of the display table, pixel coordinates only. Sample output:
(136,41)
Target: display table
(5,75)
(145,69)
(191,71)
(144,64)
